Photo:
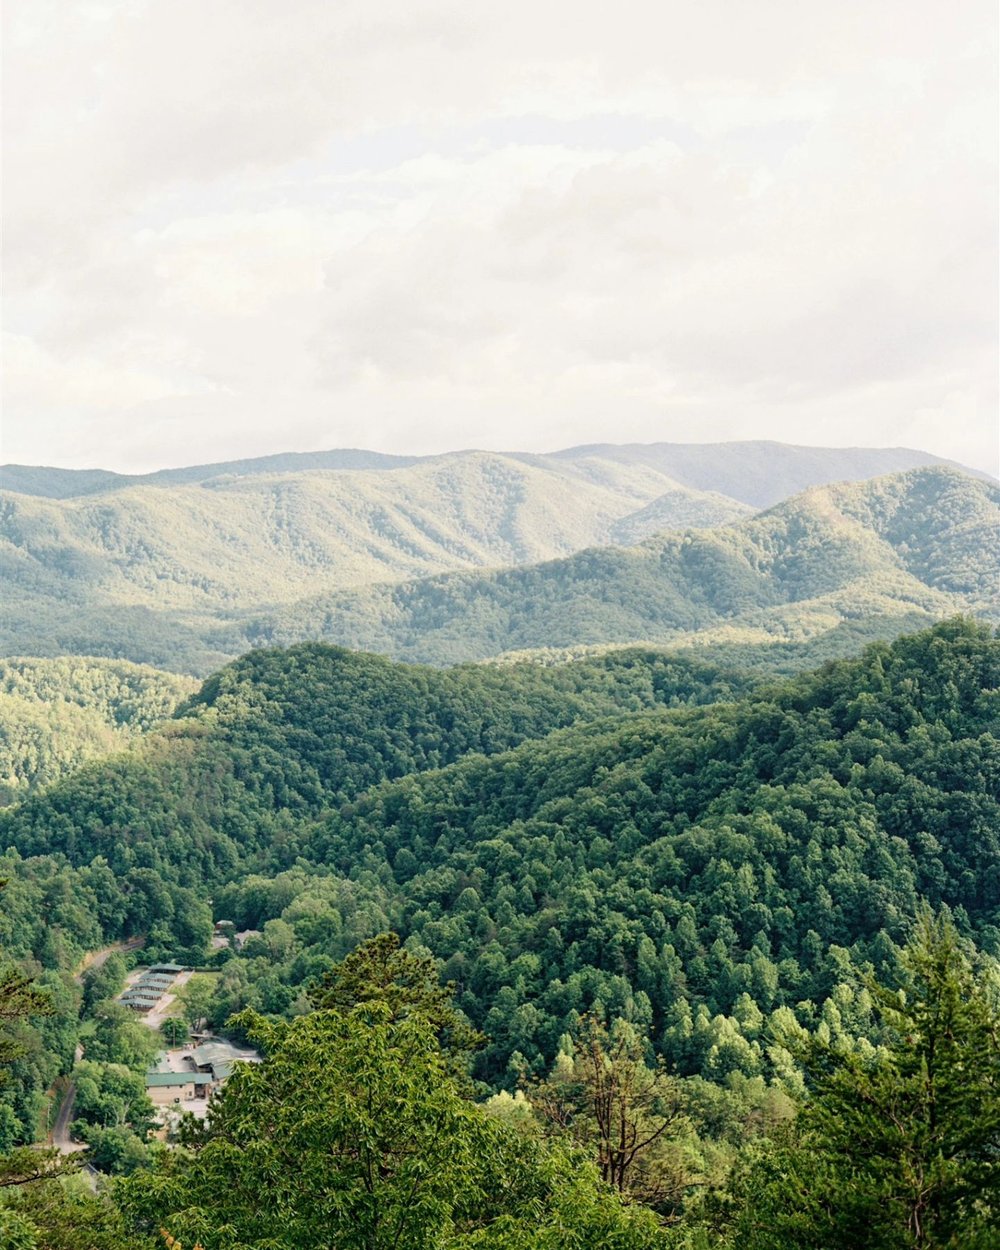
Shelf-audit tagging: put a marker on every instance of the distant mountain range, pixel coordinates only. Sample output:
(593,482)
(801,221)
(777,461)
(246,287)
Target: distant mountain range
(891,553)
(186,568)
(758,472)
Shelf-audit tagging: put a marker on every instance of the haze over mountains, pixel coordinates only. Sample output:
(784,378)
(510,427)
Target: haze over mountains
(186,569)
(757,472)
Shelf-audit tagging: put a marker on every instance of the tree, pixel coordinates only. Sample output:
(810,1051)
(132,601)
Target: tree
(352,1133)
(606,1097)
(198,997)
(21,999)
(104,981)
(119,1038)
(900,1147)
(114,1149)
(65,1215)
(174,1031)
(381,971)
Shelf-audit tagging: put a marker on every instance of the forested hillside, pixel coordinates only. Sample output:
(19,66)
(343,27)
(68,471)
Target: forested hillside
(881,554)
(187,568)
(57,714)
(694,871)
(631,852)
(159,573)
(664,862)
(279,735)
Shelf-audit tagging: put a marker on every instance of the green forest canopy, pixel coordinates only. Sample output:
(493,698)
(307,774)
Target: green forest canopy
(709,861)
(697,868)
(56,714)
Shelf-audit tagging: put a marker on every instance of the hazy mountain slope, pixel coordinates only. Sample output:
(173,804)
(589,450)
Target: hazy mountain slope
(53,483)
(171,570)
(148,572)
(57,714)
(912,544)
(756,473)
(677,508)
(759,473)
(236,540)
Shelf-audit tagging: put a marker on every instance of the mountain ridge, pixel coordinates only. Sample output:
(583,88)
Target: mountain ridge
(687,460)
(185,577)
(917,542)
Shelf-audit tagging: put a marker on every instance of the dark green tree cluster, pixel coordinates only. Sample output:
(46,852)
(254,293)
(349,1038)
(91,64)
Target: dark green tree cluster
(280,736)
(705,872)
(895,1147)
(708,874)
(355,1132)
(113,1114)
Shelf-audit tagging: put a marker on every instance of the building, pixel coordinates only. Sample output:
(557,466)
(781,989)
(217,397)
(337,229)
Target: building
(191,1074)
(167,1089)
(216,1058)
(140,1000)
(145,992)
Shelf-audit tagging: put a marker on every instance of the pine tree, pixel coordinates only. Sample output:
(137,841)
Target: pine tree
(900,1149)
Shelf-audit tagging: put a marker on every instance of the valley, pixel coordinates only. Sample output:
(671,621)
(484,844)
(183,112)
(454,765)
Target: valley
(679,808)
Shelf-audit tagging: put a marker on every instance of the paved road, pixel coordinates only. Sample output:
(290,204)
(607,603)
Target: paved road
(60,1134)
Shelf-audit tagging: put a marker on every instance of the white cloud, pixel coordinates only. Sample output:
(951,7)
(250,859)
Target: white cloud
(245,227)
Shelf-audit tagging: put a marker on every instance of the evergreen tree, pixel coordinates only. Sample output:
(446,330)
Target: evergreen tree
(897,1148)
(381,971)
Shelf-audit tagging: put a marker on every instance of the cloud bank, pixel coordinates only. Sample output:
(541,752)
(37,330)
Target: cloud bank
(241,227)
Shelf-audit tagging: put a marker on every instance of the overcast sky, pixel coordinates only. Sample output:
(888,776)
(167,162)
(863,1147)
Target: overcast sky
(234,227)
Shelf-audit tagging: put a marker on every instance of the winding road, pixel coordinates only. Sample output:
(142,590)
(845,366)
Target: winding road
(97,959)
(60,1133)
(59,1136)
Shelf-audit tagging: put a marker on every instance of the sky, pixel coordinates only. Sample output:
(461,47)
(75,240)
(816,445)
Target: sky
(236,227)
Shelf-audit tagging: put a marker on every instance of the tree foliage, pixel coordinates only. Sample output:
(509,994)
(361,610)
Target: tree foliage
(605,1095)
(898,1146)
(352,1133)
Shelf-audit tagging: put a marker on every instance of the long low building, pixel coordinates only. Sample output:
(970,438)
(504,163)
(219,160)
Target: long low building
(139,1001)
(203,1069)
(146,991)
